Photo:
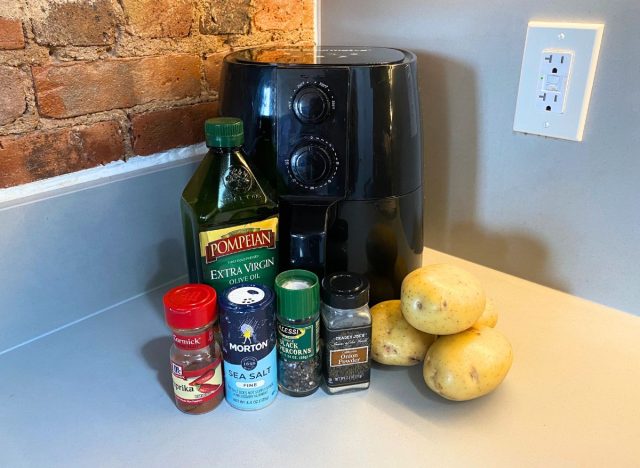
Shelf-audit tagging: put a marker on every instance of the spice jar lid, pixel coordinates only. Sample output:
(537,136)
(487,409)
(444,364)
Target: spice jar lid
(344,290)
(246,297)
(298,293)
(190,306)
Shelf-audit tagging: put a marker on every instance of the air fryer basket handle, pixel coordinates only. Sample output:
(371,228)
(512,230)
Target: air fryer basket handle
(307,237)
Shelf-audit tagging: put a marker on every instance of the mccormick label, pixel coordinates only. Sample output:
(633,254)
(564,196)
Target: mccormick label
(240,254)
(347,355)
(192,342)
(193,387)
(248,346)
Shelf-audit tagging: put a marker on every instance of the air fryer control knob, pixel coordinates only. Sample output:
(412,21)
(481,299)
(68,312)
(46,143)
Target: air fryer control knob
(311,165)
(311,104)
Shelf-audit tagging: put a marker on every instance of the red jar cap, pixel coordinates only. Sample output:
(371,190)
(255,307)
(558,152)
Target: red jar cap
(190,306)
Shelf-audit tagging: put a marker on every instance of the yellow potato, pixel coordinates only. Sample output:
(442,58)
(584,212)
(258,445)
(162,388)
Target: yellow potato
(489,317)
(393,340)
(441,299)
(467,365)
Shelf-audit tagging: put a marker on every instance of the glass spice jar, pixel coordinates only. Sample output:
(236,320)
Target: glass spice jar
(196,358)
(298,294)
(346,332)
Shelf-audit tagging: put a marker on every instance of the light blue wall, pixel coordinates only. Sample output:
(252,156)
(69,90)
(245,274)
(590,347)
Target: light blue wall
(68,256)
(560,213)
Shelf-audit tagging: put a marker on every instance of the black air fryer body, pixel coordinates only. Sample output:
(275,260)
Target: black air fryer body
(337,129)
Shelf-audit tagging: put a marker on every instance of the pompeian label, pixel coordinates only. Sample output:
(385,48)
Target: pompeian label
(347,355)
(240,254)
(240,242)
(298,343)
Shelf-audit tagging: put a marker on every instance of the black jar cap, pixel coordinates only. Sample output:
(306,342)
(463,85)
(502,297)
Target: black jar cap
(344,290)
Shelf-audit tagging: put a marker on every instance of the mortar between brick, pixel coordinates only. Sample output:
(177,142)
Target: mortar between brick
(126,45)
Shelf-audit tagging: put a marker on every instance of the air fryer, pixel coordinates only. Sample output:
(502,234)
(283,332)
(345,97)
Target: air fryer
(337,130)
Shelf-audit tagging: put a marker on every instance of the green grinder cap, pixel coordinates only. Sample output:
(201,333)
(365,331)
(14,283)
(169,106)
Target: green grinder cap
(298,293)
(223,132)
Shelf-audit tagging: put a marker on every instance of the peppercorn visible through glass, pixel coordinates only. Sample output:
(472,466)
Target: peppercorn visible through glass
(299,359)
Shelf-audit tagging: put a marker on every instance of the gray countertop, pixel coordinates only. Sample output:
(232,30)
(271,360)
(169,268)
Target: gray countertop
(98,394)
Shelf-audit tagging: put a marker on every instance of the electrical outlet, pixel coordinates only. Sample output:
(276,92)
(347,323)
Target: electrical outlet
(558,68)
(556,62)
(551,102)
(555,69)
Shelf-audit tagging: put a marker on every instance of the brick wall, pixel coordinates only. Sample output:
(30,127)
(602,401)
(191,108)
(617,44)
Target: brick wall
(87,82)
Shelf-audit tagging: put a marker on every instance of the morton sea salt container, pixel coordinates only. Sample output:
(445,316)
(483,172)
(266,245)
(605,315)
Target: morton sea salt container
(247,322)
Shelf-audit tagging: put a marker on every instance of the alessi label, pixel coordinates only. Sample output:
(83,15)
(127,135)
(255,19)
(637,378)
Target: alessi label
(197,386)
(240,254)
(298,343)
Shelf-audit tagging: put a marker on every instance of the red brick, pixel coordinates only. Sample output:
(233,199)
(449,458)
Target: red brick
(13,83)
(11,35)
(278,14)
(159,18)
(224,17)
(76,23)
(164,129)
(212,69)
(79,88)
(39,155)
(308,14)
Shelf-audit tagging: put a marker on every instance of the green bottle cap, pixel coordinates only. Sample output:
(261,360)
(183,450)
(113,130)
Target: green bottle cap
(224,132)
(298,293)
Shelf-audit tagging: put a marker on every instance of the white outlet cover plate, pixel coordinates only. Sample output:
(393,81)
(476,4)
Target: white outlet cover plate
(583,40)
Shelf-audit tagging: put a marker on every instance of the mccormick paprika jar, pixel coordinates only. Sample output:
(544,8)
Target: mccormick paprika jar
(196,360)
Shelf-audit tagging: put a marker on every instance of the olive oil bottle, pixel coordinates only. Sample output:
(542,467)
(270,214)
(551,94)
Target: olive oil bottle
(229,214)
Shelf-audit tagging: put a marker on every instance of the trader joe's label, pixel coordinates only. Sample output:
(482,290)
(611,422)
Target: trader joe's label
(347,358)
(245,253)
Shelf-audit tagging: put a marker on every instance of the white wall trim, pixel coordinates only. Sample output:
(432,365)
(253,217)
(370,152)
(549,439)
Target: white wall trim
(316,23)
(96,176)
